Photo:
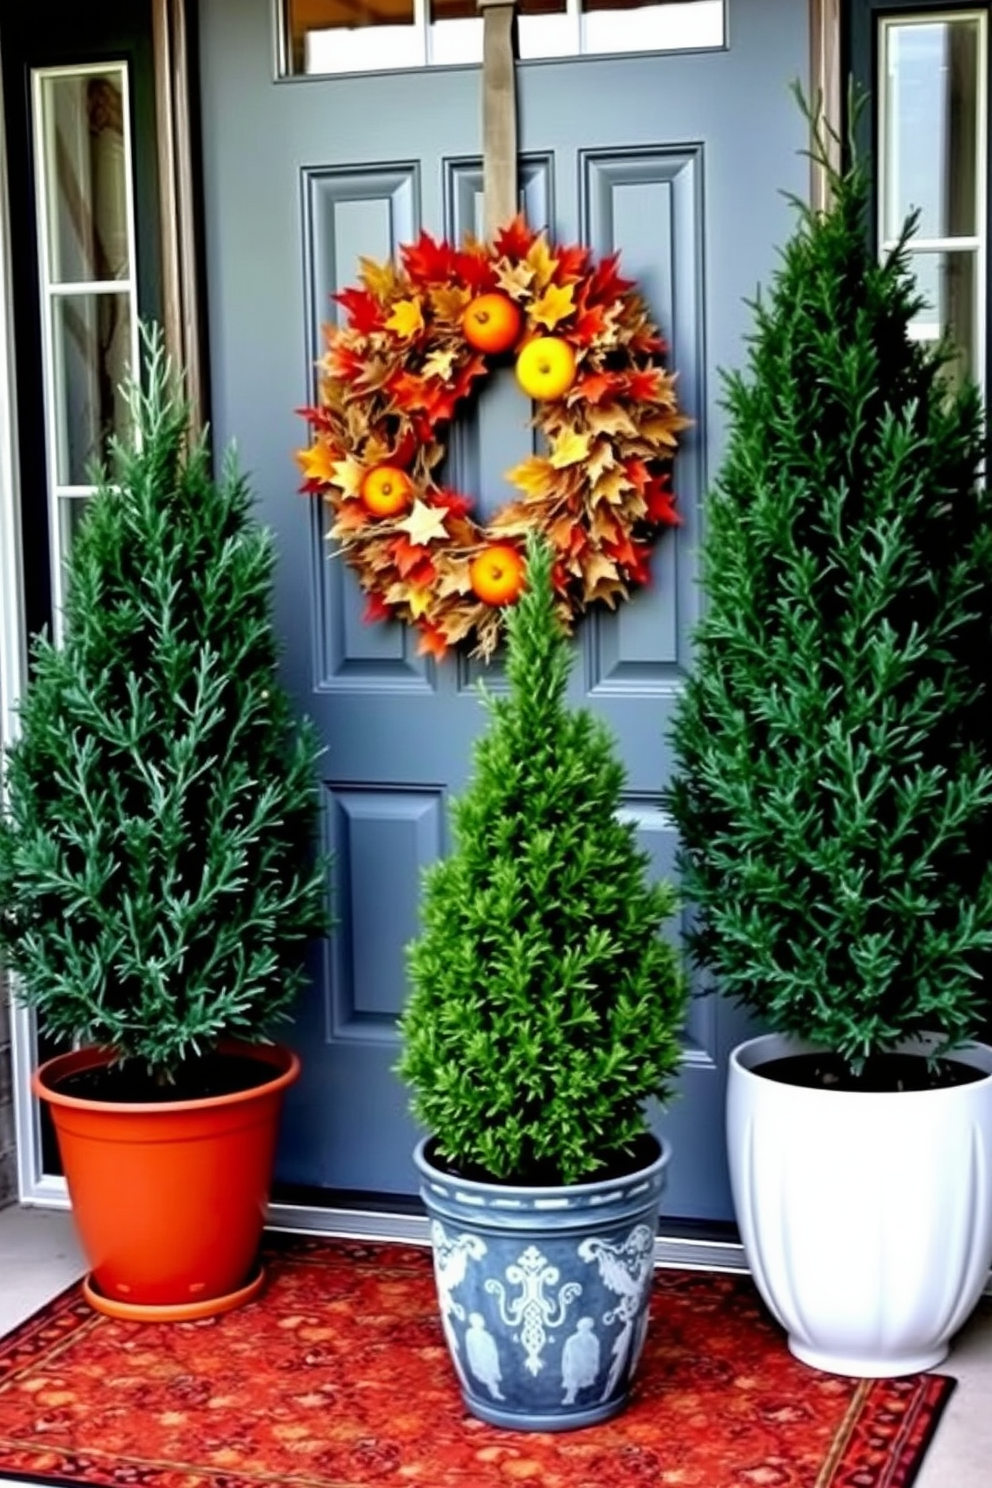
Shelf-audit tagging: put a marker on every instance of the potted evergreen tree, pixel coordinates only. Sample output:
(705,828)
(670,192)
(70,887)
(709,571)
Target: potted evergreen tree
(158,885)
(833,790)
(545,1011)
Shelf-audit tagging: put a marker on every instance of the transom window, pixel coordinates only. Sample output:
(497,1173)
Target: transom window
(932,130)
(341,36)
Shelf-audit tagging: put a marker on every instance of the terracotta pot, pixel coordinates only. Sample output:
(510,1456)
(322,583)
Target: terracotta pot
(169,1198)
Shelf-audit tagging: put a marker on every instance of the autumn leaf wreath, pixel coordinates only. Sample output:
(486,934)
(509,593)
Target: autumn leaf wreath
(416,339)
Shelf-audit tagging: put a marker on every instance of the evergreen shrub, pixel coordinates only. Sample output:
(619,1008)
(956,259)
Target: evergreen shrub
(546,1007)
(833,786)
(158,881)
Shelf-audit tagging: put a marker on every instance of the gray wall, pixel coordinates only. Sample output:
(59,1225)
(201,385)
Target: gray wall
(8,1176)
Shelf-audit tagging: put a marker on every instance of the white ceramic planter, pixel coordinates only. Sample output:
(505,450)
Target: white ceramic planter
(866,1218)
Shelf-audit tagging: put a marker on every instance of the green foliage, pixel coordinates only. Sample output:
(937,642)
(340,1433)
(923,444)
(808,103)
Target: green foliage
(834,789)
(157,880)
(545,1008)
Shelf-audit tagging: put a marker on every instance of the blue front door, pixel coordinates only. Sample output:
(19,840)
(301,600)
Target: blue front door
(678,160)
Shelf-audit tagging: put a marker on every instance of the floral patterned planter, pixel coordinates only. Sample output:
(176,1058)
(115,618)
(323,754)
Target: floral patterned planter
(544,1292)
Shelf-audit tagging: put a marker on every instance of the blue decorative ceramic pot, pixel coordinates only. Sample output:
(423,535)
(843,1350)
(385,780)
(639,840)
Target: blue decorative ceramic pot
(544,1292)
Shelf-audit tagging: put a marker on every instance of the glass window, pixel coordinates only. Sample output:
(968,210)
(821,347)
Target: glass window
(88,289)
(932,159)
(334,36)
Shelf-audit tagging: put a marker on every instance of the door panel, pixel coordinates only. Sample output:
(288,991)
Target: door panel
(678,162)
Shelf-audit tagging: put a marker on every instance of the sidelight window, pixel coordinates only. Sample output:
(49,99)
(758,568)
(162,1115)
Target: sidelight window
(932,132)
(88,287)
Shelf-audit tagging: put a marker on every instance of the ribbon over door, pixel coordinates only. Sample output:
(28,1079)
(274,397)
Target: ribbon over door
(499,115)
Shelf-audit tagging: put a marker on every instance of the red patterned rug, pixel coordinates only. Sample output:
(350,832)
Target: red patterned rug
(337,1377)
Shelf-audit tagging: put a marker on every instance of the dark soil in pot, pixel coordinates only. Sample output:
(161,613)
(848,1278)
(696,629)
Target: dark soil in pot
(196,1079)
(643,1152)
(881,1074)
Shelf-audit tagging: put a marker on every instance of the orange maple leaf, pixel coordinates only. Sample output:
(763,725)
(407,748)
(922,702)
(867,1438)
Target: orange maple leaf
(645,384)
(432,642)
(596,387)
(350,516)
(590,324)
(406,555)
(317,463)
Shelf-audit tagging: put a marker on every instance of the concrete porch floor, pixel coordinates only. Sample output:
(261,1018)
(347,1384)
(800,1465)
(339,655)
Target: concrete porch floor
(39,1257)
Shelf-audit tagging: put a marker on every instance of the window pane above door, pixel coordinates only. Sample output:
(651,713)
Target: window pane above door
(341,36)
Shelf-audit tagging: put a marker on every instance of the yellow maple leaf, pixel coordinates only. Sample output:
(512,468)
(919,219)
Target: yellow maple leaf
(514,279)
(535,476)
(541,261)
(347,475)
(379,278)
(419,600)
(425,523)
(317,462)
(570,449)
(440,363)
(554,305)
(407,319)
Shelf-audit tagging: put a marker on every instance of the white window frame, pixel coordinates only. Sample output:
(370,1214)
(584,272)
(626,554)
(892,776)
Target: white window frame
(51,292)
(976,243)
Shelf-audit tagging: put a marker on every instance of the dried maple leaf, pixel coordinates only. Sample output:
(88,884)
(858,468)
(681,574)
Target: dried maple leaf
(453,578)
(448,301)
(347,475)
(440,362)
(612,420)
(514,279)
(611,486)
(596,568)
(553,306)
(407,319)
(380,279)
(569,449)
(600,459)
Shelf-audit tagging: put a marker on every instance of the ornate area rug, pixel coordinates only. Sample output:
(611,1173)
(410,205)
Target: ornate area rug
(337,1377)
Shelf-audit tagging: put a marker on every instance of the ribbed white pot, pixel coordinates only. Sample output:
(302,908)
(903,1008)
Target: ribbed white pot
(866,1218)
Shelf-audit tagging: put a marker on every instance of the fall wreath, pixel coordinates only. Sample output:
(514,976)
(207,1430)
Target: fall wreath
(416,339)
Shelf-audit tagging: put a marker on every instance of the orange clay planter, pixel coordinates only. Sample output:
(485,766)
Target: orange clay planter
(169,1198)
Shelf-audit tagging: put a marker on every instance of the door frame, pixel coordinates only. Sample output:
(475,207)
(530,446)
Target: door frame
(185,337)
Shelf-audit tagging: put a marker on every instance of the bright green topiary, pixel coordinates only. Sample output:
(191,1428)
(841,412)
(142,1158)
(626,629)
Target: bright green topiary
(834,744)
(158,885)
(546,1008)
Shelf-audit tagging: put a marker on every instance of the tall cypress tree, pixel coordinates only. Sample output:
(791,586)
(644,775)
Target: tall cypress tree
(546,1008)
(158,884)
(834,748)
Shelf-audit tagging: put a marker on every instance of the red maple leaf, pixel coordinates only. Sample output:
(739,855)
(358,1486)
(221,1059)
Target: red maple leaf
(638,472)
(376,608)
(319,418)
(459,506)
(344,363)
(644,384)
(649,342)
(428,262)
(363,309)
(516,239)
(474,269)
(605,284)
(660,503)
(572,261)
(590,324)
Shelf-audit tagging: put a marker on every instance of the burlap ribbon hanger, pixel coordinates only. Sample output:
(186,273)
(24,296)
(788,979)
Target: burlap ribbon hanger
(499,115)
